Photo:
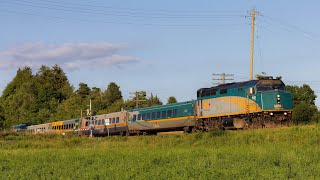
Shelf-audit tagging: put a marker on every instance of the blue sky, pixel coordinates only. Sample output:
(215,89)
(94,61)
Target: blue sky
(169,48)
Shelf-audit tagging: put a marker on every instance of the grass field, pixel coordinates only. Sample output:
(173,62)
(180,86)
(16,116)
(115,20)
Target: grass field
(282,153)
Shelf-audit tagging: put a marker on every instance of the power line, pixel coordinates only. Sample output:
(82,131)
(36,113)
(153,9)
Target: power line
(223,78)
(175,26)
(119,14)
(137,9)
(289,28)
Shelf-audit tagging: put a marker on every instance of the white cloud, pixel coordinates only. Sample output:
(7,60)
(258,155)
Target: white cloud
(70,56)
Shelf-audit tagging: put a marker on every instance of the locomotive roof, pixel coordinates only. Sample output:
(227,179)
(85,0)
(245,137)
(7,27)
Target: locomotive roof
(232,85)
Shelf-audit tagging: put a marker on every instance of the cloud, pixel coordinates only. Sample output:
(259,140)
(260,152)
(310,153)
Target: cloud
(70,56)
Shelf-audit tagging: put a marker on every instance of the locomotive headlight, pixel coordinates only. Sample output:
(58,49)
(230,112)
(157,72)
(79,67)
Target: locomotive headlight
(271,114)
(285,113)
(278,96)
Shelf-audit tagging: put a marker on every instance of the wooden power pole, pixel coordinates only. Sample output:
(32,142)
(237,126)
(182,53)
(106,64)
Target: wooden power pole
(222,78)
(253,17)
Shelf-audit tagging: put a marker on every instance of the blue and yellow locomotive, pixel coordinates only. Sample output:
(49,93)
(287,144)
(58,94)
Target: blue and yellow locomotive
(256,103)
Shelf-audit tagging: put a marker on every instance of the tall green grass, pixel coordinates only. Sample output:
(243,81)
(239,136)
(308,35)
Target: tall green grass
(282,153)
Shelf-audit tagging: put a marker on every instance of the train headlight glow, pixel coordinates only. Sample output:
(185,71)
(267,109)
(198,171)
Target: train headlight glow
(278,96)
(271,114)
(285,113)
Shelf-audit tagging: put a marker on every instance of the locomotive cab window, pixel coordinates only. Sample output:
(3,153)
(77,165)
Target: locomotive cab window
(143,117)
(134,118)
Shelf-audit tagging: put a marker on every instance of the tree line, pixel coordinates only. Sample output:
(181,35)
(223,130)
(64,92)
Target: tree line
(48,96)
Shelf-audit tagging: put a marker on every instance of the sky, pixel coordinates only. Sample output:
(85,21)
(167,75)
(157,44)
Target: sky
(168,48)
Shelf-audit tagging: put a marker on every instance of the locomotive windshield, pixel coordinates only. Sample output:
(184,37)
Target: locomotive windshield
(269,85)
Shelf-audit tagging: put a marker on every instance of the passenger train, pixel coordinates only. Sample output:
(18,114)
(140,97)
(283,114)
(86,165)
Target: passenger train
(250,104)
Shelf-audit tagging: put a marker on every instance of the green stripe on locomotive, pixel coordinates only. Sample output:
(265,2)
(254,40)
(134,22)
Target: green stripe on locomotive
(268,93)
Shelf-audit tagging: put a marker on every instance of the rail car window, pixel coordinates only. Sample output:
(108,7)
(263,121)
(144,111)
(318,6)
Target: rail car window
(153,115)
(143,116)
(117,120)
(103,122)
(87,123)
(99,122)
(113,120)
(213,92)
(240,89)
(175,113)
(134,118)
(158,115)
(223,91)
(148,116)
(169,114)
(164,114)
(139,116)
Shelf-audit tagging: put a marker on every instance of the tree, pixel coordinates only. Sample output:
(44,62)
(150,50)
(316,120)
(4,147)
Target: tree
(83,90)
(261,75)
(303,100)
(302,93)
(304,113)
(112,94)
(153,101)
(19,99)
(2,120)
(172,100)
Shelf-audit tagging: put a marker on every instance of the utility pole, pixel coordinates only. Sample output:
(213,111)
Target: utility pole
(136,97)
(222,78)
(253,16)
(90,118)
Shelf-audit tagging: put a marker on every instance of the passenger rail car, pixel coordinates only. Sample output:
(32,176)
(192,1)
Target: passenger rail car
(168,117)
(256,103)
(39,129)
(22,127)
(63,127)
(105,124)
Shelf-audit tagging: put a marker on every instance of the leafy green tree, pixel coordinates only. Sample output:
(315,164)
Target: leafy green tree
(302,93)
(22,76)
(96,99)
(2,120)
(83,90)
(112,94)
(172,100)
(303,113)
(71,108)
(304,108)
(261,75)
(19,99)
(153,101)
